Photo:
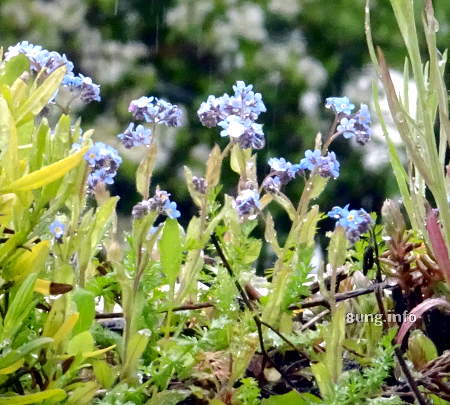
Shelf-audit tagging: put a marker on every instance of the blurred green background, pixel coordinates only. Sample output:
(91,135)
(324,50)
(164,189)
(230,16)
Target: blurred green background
(295,52)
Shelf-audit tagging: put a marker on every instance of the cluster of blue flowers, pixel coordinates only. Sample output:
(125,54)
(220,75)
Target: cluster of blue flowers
(84,86)
(58,229)
(236,115)
(351,124)
(247,203)
(325,166)
(104,162)
(355,222)
(282,172)
(160,203)
(156,111)
(42,60)
(135,136)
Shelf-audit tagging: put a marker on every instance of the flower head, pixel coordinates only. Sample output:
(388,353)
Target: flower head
(354,222)
(329,166)
(87,89)
(40,58)
(236,115)
(104,162)
(272,184)
(311,160)
(247,203)
(135,136)
(339,105)
(347,127)
(284,170)
(170,209)
(156,111)
(211,112)
(325,166)
(243,131)
(58,229)
(159,203)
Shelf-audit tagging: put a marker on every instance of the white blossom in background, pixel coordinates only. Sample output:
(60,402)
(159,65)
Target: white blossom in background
(312,70)
(247,21)
(285,8)
(310,102)
(189,14)
(117,56)
(69,16)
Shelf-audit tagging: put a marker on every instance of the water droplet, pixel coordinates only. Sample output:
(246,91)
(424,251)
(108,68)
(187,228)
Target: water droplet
(399,117)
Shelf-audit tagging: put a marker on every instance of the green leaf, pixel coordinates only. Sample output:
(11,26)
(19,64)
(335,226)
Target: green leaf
(83,394)
(270,235)
(213,167)
(308,227)
(291,398)
(135,348)
(19,308)
(334,343)
(337,249)
(145,170)
(286,204)
(85,302)
(170,397)
(104,373)
(171,250)
(54,394)
(103,217)
(45,175)
(323,379)
(81,343)
(39,97)
(17,354)
(30,261)
(8,132)
(14,68)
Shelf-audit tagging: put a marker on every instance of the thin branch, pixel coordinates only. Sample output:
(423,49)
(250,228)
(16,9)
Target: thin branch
(320,301)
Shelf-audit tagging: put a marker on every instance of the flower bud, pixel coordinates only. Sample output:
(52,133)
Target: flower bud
(394,223)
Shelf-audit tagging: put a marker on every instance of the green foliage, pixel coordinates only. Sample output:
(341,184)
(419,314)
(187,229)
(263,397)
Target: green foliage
(248,392)
(172,308)
(358,388)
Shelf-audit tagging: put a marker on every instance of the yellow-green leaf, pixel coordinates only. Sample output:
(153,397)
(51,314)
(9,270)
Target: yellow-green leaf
(66,327)
(30,261)
(13,367)
(55,394)
(39,97)
(46,174)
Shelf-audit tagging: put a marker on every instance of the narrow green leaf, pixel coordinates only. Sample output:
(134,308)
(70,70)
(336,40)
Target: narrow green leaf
(337,249)
(19,308)
(45,175)
(85,302)
(145,170)
(40,97)
(291,398)
(54,394)
(17,354)
(171,250)
(213,167)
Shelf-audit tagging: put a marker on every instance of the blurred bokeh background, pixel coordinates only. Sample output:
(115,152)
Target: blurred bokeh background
(295,52)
